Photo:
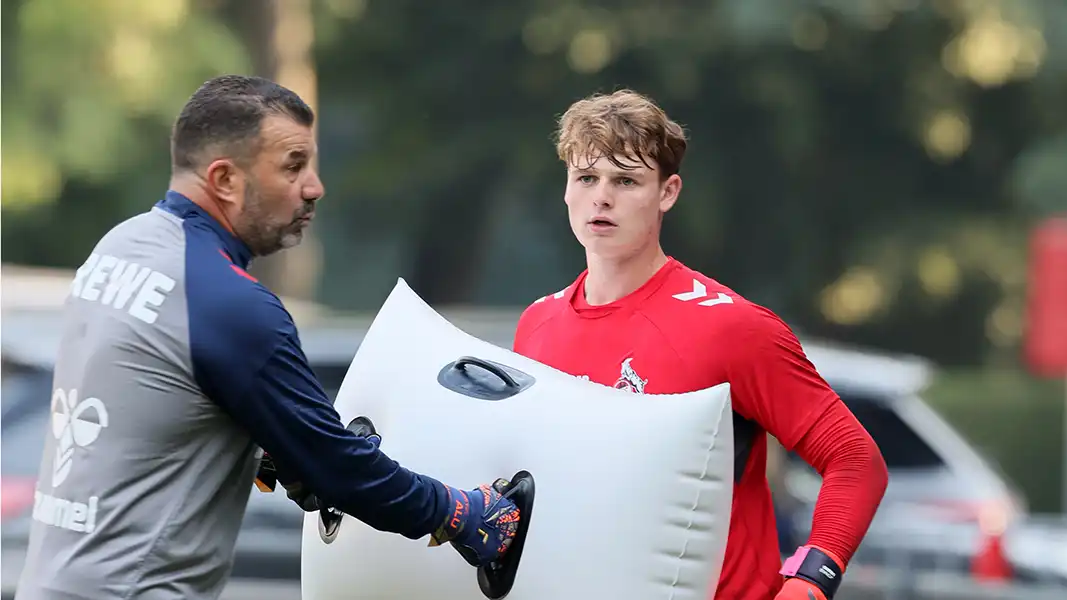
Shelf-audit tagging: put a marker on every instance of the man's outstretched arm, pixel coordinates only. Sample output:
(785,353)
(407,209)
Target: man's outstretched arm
(290,416)
(247,358)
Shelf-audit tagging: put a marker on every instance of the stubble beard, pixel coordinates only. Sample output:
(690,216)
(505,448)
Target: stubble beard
(262,234)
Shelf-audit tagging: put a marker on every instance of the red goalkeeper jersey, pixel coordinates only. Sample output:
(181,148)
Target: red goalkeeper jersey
(681,332)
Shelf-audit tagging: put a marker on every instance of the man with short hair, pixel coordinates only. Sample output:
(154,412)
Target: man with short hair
(642,321)
(176,365)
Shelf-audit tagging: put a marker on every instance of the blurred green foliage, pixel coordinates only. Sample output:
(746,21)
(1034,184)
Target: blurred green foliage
(1016,421)
(869,169)
(89,86)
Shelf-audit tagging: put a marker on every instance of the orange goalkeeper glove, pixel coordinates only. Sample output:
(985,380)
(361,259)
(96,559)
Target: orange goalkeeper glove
(798,589)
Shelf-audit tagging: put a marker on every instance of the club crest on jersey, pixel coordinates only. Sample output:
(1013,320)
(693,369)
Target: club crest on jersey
(629,380)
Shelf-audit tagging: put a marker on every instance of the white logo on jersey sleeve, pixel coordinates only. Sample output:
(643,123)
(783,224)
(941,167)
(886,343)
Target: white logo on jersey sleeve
(701,291)
(75,425)
(555,296)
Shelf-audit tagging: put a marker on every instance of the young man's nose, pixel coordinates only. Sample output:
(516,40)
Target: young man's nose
(602,197)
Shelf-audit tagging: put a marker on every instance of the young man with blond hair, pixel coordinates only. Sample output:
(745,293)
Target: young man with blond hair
(639,320)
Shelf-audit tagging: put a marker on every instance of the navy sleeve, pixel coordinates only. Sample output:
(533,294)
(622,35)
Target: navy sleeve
(247,358)
(294,421)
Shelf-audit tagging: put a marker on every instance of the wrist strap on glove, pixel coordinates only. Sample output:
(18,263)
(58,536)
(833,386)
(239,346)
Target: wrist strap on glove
(456,520)
(815,566)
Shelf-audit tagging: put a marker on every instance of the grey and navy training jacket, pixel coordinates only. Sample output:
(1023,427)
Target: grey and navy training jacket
(175,364)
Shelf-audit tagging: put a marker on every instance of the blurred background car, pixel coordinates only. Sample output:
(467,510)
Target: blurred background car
(947,508)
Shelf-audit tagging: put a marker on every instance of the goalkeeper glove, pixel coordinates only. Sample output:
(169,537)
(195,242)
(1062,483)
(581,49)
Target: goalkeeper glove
(481,524)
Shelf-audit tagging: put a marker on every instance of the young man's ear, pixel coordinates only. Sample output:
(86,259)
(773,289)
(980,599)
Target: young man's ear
(671,189)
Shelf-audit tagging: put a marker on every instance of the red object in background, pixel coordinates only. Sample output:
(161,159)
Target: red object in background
(16,496)
(990,564)
(1046,319)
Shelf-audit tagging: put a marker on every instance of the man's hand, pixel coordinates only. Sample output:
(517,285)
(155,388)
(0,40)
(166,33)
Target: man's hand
(267,474)
(267,480)
(481,524)
(798,589)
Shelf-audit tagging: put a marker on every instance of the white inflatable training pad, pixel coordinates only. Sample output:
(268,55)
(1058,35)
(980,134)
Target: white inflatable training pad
(633,492)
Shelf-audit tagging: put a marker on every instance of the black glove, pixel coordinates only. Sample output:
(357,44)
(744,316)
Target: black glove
(267,480)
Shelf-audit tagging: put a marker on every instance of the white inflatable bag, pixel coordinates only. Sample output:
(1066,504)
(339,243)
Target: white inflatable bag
(633,492)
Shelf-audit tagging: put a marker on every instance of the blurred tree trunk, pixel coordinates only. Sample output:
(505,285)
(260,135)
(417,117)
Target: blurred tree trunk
(280,35)
(451,243)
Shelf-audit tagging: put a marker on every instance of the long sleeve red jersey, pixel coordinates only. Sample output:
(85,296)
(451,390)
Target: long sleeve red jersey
(682,331)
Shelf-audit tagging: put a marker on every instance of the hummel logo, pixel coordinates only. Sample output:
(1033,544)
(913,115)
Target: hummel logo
(556,296)
(701,291)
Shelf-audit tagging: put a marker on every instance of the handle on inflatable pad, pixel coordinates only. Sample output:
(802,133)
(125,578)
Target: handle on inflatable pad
(330,518)
(496,578)
(457,377)
(508,380)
